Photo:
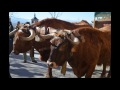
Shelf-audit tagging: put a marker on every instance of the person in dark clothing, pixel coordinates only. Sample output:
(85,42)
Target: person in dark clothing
(10,42)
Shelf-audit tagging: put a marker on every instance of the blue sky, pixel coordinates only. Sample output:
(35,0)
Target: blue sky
(68,16)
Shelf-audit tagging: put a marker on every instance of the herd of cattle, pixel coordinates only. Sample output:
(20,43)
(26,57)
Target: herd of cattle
(58,42)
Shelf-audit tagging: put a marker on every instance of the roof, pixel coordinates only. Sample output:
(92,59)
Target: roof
(34,18)
(102,14)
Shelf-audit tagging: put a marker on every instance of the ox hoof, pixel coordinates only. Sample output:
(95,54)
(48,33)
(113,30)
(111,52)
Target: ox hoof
(108,76)
(48,76)
(24,61)
(34,61)
(102,76)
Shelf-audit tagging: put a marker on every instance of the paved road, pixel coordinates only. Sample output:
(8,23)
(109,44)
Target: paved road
(18,69)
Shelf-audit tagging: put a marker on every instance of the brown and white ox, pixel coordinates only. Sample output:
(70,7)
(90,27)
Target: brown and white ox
(25,39)
(83,49)
(19,26)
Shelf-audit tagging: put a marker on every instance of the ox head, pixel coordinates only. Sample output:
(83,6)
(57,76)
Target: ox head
(43,48)
(61,48)
(22,39)
(42,45)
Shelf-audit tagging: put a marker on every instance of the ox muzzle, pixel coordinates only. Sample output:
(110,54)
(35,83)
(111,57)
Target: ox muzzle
(15,52)
(52,64)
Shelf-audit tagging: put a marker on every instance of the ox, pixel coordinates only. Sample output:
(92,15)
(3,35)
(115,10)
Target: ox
(83,49)
(24,41)
(26,25)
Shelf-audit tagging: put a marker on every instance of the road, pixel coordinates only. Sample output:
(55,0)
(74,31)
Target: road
(18,69)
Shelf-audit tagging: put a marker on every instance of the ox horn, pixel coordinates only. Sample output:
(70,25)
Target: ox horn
(68,31)
(32,32)
(12,32)
(75,40)
(48,36)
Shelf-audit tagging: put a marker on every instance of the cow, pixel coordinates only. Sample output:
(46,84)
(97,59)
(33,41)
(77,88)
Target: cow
(83,49)
(24,41)
(106,29)
(22,46)
(26,25)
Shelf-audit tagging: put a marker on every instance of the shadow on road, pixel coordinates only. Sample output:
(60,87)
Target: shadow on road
(25,73)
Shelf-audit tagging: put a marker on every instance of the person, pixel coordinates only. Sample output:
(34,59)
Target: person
(27,23)
(18,25)
(10,41)
(10,26)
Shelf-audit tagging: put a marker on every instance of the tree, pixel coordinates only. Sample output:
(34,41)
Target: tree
(55,14)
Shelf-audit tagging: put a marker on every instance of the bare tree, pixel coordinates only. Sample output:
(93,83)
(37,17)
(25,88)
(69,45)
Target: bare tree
(55,14)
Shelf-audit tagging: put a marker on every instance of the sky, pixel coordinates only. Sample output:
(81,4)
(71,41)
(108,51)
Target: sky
(68,16)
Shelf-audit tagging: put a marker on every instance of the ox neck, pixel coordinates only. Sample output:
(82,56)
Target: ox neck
(70,56)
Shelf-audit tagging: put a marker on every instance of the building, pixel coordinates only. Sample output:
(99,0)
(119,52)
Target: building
(34,19)
(101,18)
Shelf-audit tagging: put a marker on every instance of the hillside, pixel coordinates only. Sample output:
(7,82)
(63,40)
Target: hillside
(22,20)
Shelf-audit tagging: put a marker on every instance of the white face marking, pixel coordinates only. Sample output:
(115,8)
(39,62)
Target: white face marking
(54,64)
(48,62)
(20,31)
(76,39)
(56,40)
(37,28)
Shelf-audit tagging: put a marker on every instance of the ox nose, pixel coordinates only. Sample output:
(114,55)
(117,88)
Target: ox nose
(15,52)
(50,64)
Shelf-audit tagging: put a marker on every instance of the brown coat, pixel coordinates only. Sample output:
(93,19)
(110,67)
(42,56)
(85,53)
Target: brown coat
(85,56)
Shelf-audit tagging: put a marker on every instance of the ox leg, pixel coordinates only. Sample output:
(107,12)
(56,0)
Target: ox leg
(90,71)
(104,71)
(25,57)
(32,55)
(49,73)
(109,74)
